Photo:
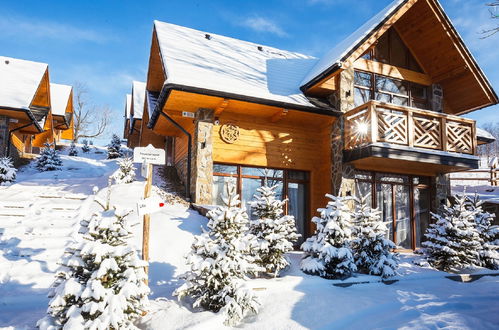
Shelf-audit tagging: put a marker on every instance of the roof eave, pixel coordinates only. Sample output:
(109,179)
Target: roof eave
(168,87)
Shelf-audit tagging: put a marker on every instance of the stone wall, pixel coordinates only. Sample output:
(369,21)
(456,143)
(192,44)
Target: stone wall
(4,135)
(342,175)
(202,157)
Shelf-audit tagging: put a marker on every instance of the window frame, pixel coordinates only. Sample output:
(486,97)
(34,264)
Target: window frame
(373,91)
(239,176)
(374,181)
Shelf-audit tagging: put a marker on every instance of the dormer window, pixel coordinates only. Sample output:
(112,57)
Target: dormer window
(369,86)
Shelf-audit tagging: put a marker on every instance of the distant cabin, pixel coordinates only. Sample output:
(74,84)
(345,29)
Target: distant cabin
(33,111)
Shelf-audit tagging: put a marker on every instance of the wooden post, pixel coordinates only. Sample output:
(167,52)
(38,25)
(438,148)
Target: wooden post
(147,220)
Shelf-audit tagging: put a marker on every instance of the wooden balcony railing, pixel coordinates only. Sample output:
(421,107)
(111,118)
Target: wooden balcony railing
(387,123)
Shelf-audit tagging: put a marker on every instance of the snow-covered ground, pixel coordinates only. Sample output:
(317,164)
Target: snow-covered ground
(39,215)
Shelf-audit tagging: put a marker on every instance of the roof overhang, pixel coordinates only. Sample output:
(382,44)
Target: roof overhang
(168,88)
(22,114)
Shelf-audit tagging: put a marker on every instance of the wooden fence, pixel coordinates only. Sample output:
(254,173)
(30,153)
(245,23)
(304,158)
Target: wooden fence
(486,175)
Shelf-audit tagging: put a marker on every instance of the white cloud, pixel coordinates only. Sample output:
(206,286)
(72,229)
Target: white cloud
(28,28)
(262,24)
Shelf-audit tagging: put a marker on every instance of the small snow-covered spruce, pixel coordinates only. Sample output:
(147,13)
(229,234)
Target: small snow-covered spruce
(49,159)
(220,261)
(72,149)
(328,251)
(114,148)
(453,242)
(126,172)
(85,148)
(7,170)
(101,282)
(275,232)
(372,250)
(489,235)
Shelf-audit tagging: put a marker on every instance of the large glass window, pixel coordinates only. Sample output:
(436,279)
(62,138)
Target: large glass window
(368,86)
(393,195)
(291,185)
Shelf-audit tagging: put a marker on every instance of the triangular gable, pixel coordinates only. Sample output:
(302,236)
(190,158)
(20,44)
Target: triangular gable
(22,82)
(454,67)
(59,98)
(138,98)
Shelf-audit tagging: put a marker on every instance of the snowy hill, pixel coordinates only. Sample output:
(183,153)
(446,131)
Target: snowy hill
(40,214)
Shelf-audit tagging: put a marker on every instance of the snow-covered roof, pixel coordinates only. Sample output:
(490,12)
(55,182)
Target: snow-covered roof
(482,134)
(19,81)
(337,53)
(139,95)
(128,105)
(214,62)
(59,98)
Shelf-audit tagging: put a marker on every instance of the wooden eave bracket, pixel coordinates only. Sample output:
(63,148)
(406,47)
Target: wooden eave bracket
(279,115)
(221,107)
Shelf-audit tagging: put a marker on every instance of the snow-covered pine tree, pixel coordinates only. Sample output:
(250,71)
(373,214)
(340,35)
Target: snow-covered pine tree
(7,170)
(72,149)
(220,261)
(275,232)
(85,148)
(328,251)
(49,159)
(126,172)
(453,241)
(489,234)
(372,250)
(114,148)
(101,282)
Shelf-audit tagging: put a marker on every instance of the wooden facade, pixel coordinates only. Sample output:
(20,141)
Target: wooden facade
(408,129)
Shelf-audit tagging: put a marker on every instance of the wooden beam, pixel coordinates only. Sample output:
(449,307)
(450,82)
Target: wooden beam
(279,115)
(392,71)
(221,107)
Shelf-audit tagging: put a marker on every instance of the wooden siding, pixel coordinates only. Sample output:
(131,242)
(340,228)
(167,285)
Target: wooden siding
(147,136)
(279,145)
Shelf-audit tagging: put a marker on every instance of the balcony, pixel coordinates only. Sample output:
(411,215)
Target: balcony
(381,130)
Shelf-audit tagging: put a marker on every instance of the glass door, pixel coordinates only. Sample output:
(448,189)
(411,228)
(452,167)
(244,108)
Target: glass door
(385,205)
(402,210)
(297,207)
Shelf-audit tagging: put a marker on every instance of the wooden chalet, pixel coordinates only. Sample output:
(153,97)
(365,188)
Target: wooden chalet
(62,111)
(380,114)
(27,120)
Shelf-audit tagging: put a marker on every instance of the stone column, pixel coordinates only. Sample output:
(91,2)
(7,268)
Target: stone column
(4,135)
(342,181)
(202,158)
(442,190)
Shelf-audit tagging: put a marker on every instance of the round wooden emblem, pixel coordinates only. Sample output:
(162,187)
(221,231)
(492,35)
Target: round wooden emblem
(229,133)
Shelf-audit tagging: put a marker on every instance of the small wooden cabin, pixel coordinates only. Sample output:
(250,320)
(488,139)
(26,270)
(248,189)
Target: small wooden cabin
(62,111)
(136,112)
(380,114)
(27,103)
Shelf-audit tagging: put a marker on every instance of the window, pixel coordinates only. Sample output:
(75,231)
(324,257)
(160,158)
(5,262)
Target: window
(291,185)
(403,202)
(388,90)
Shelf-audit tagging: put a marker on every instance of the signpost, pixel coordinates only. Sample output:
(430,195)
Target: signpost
(148,156)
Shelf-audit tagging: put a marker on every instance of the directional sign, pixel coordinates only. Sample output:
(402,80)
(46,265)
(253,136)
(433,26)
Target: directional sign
(149,205)
(149,155)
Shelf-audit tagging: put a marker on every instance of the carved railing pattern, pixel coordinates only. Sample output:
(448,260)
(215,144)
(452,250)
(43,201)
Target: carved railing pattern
(387,123)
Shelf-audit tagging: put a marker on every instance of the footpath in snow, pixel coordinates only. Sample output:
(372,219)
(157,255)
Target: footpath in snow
(40,214)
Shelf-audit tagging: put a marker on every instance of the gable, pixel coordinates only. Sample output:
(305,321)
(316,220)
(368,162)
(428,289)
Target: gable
(433,42)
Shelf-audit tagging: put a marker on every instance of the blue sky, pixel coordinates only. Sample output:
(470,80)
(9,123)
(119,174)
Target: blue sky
(105,44)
